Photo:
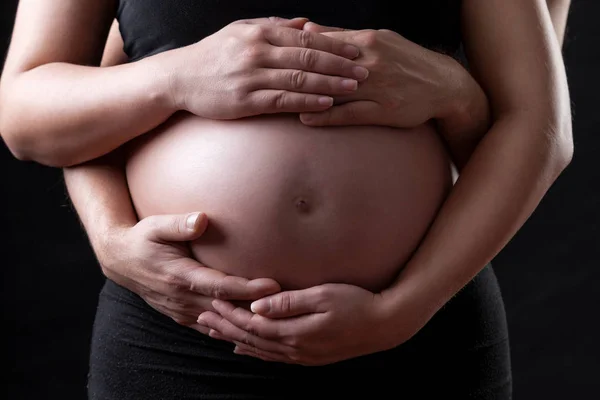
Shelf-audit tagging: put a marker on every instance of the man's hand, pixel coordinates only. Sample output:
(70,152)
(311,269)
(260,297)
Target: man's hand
(153,260)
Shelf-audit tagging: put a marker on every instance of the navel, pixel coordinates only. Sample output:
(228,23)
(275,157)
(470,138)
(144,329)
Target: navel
(302,204)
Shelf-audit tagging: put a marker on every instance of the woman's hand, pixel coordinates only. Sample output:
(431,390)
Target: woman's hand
(253,67)
(152,259)
(316,326)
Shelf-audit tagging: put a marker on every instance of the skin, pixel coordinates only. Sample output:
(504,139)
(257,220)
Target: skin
(548,127)
(531,132)
(294,203)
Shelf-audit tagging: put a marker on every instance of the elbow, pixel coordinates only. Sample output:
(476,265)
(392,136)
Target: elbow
(24,147)
(16,142)
(563,147)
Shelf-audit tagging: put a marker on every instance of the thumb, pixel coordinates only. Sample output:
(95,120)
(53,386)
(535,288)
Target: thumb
(289,304)
(175,227)
(316,28)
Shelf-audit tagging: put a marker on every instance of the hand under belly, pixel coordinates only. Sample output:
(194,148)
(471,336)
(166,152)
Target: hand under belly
(301,205)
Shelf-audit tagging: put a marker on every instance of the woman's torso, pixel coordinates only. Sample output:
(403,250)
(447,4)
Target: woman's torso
(302,205)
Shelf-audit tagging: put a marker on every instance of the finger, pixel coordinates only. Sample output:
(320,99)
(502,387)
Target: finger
(175,227)
(180,318)
(305,82)
(313,61)
(295,23)
(233,333)
(353,113)
(216,284)
(284,330)
(288,37)
(288,304)
(181,302)
(317,28)
(245,350)
(202,329)
(272,101)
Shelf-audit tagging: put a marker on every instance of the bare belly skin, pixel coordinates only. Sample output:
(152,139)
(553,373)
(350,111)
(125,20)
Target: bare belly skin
(301,205)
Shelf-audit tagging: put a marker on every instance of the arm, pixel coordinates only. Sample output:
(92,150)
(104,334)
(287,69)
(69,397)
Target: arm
(520,67)
(142,255)
(52,90)
(466,117)
(59,108)
(530,142)
(98,189)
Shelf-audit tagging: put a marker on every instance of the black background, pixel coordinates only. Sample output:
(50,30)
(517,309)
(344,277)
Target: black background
(549,272)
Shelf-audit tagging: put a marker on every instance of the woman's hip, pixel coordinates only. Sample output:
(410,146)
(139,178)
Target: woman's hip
(139,353)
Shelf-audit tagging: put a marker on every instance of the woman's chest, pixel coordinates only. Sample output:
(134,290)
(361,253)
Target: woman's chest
(152,26)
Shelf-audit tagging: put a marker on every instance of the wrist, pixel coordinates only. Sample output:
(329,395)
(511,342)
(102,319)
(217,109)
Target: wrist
(163,83)
(405,307)
(107,245)
(465,107)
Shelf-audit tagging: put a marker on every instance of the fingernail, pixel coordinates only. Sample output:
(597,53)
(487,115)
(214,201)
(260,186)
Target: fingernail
(325,101)
(349,84)
(306,117)
(192,220)
(202,322)
(260,306)
(350,51)
(360,72)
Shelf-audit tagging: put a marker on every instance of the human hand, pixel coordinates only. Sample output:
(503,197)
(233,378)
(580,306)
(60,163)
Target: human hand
(153,260)
(316,326)
(261,66)
(407,84)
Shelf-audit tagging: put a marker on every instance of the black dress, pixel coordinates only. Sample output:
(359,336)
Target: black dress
(138,353)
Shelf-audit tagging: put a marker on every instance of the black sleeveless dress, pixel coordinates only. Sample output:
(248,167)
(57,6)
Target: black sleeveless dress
(140,354)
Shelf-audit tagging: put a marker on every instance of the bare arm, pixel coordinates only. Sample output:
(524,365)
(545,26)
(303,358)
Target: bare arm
(530,142)
(98,189)
(58,108)
(467,117)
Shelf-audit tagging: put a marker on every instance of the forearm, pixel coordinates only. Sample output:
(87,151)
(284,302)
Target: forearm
(63,114)
(99,193)
(506,178)
(465,116)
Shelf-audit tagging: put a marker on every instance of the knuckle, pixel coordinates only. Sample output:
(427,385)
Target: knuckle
(308,58)
(293,341)
(306,39)
(218,290)
(368,37)
(286,303)
(352,114)
(247,340)
(255,32)
(321,294)
(148,225)
(278,101)
(173,282)
(251,327)
(298,79)
(174,302)
(252,55)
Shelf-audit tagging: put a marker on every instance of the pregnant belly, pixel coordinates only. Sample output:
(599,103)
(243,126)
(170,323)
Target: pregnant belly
(301,205)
